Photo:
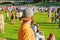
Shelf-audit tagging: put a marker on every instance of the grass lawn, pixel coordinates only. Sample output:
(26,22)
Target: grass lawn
(11,31)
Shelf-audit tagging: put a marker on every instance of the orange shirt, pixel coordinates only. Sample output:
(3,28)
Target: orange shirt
(25,33)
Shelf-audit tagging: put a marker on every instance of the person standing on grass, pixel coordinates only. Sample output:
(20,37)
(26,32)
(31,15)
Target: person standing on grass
(6,15)
(1,23)
(58,12)
(56,16)
(17,14)
(49,13)
(56,19)
(5,8)
(59,22)
(52,18)
(20,14)
(10,9)
(51,37)
(25,32)
(12,17)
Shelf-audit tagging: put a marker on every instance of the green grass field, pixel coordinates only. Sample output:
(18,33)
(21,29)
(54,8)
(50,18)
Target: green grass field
(11,31)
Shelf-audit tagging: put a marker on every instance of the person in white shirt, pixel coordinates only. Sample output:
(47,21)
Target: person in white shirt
(17,14)
(37,35)
(36,31)
(41,37)
(0,8)
(20,15)
(34,28)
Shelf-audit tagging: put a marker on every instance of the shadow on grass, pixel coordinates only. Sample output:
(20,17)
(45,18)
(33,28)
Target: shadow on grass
(48,28)
(10,39)
(48,25)
(8,21)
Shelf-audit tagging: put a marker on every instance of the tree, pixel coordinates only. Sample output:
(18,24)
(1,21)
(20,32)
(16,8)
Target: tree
(36,1)
(58,0)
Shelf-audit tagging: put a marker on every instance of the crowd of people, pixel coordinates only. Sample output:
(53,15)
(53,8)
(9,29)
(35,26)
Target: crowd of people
(55,16)
(28,30)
